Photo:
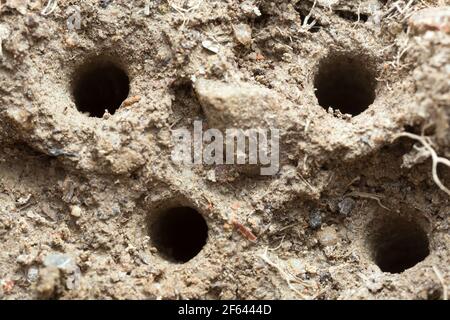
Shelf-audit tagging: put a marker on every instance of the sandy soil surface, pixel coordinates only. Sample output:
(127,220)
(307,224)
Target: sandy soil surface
(92,205)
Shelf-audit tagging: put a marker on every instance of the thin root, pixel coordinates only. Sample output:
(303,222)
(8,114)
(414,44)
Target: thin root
(307,26)
(49,7)
(372,196)
(287,276)
(434,157)
(183,12)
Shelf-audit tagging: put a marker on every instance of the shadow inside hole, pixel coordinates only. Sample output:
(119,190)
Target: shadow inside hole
(346,83)
(179,233)
(185,104)
(398,244)
(100,86)
(352,16)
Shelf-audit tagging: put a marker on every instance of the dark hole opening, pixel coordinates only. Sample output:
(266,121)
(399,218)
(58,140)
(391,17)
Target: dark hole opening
(100,86)
(345,83)
(352,16)
(398,244)
(179,234)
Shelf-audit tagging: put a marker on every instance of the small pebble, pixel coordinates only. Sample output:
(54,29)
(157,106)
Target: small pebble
(315,219)
(24,259)
(327,236)
(243,33)
(346,206)
(61,261)
(250,9)
(296,266)
(33,274)
(211,46)
(75,211)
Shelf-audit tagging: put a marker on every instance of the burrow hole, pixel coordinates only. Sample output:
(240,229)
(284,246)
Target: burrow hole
(397,243)
(345,82)
(98,86)
(178,233)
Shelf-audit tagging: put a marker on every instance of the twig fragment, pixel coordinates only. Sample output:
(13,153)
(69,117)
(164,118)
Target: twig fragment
(246,232)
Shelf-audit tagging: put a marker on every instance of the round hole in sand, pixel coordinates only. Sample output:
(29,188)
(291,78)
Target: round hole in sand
(100,85)
(345,82)
(179,233)
(397,243)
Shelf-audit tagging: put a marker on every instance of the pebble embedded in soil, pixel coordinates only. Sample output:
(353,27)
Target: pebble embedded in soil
(33,274)
(211,46)
(75,211)
(346,206)
(243,33)
(250,9)
(315,219)
(328,236)
(61,261)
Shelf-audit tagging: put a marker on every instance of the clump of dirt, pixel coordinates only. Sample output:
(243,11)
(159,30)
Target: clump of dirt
(92,204)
